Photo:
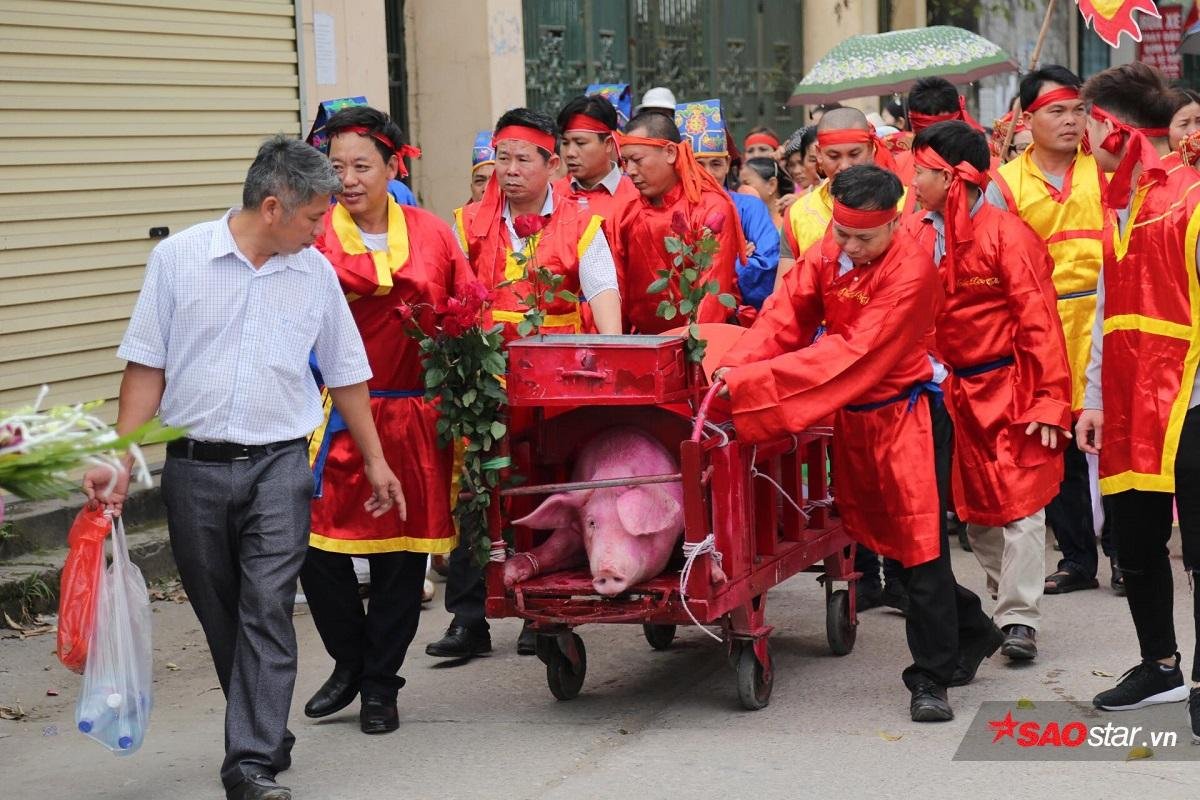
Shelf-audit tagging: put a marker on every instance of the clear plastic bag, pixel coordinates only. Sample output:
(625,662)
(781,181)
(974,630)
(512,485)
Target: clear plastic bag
(117,693)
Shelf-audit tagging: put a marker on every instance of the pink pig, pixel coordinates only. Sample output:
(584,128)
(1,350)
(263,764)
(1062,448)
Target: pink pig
(627,533)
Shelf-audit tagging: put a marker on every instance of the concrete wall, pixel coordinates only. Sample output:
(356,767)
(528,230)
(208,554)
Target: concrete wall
(466,66)
(360,54)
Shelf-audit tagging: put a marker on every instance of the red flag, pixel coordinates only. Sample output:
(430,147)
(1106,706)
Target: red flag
(1111,18)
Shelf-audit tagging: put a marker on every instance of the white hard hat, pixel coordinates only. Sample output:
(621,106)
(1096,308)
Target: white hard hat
(658,97)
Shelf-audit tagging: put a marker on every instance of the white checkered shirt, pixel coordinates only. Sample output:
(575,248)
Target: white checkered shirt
(234,340)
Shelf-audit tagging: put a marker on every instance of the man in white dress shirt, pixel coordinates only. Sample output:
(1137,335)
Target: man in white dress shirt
(219,344)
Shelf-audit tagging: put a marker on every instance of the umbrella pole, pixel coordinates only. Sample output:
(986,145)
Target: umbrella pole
(1033,61)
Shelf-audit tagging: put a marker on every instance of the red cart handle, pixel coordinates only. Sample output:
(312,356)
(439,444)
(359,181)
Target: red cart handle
(590,374)
(702,414)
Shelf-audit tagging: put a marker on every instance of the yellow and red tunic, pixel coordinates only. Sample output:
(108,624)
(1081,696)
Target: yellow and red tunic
(1151,327)
(558,247)
(1071,223)
(422,264)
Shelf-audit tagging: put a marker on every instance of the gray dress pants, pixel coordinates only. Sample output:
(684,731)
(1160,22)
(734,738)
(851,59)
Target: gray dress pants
(239,533)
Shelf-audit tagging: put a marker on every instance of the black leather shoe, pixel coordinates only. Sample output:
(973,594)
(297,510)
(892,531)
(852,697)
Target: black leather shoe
(378,714)
(894,596)
(930,704)
(527,641)
(1118,578)
(1066,580)
(258,787)
(335,694)
(460,642)
(1020,642)
(972,653)
(867,597)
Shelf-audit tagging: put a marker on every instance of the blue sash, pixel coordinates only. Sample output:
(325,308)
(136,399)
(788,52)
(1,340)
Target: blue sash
(912,395)
(979,369)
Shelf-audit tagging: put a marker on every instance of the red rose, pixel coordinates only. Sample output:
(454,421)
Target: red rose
(715,222)
(478,292)
(679,223)
(527,225)
(405,313)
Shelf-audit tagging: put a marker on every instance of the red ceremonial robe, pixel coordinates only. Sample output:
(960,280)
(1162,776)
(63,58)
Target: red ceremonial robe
(877,318)
(641,254)
(423,264)
(1151,346)
(1000,335)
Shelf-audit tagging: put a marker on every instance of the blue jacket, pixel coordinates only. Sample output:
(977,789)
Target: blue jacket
(405,197)
(756,279)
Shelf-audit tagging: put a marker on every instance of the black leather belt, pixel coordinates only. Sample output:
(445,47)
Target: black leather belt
(224,451)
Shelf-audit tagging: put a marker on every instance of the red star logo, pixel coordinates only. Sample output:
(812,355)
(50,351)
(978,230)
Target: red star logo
(1003,727)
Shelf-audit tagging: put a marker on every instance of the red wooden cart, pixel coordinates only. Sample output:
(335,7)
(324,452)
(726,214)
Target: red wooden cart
(762,513)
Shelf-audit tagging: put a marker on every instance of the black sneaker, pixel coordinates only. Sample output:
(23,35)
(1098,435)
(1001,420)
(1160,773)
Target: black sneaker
(1147,683)
(1194,713)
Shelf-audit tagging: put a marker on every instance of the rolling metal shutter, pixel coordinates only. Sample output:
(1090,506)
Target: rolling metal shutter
(116,118)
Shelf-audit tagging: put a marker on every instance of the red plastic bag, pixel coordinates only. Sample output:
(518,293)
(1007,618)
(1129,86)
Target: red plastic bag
(79,585)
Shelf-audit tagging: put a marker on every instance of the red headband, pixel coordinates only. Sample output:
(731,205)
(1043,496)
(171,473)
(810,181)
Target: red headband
(1139,151)
(957,212)
(582,122)
(920,122)
(861,220)
(525,133)
(402,152)
(1059,95)
(883,156)
(760,138)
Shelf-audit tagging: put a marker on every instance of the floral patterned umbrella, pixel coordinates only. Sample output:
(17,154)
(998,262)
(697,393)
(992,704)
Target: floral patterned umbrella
(882,63)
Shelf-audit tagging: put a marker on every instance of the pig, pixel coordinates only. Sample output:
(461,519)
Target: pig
(625,534)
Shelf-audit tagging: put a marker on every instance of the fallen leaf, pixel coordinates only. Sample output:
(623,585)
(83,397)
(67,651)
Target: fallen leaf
(171,665)
(1099,673)
(1141,751)
(622,731)
(12,623)
(52,693)
(890,737)
(12,712)
(1025,704)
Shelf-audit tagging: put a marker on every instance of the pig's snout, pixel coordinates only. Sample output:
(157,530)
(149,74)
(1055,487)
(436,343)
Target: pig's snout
(608,583)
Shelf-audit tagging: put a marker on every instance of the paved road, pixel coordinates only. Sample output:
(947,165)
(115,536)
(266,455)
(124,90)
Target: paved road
(648,724)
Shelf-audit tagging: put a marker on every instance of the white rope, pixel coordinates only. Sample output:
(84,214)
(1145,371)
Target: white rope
(811,505)
(692,551)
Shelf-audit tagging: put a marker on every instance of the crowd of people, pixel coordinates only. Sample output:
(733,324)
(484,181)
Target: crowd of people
(1004,326)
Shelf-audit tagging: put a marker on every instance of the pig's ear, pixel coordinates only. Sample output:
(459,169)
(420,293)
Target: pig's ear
(648,510)
(556,511)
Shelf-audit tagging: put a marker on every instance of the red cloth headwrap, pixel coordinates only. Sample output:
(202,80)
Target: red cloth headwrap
(883,156)
(760,138)
(920,122)
(861,220)
(524,133)
(1139,151)
(582,122)
(1059,95)
(957,213)
(402,152)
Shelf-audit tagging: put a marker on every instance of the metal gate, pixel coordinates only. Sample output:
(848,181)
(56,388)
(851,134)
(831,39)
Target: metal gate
(747,53)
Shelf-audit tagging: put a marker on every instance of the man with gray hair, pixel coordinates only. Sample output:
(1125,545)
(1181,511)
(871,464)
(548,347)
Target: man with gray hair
(218,344)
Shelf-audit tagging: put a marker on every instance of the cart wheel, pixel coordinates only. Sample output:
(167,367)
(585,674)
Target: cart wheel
(659,636)
(838,628)
(566,680)
(754,688)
